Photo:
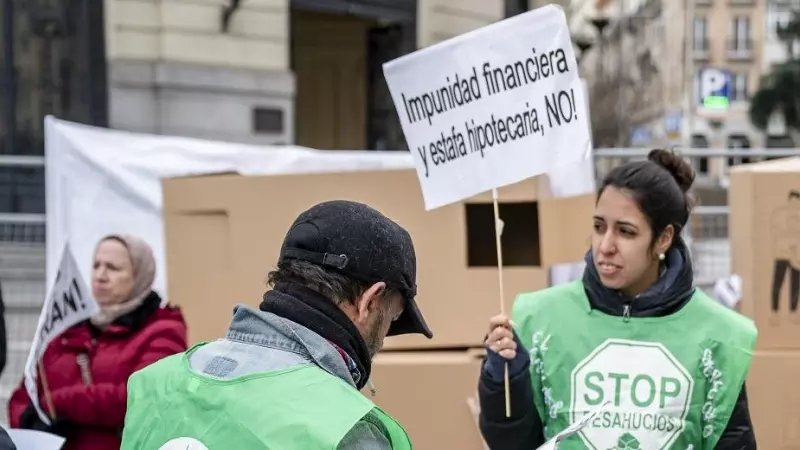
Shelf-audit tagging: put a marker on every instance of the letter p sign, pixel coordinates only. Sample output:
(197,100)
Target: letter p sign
(715,88)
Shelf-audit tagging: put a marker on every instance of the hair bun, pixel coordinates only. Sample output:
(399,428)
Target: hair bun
(681,170)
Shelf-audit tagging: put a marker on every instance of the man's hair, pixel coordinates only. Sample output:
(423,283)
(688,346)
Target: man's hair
(332,284)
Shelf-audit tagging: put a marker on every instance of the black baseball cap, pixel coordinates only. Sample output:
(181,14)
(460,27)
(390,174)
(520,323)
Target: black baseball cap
(362,243)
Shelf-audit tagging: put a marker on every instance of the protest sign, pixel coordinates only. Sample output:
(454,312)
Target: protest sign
(35,440)
(69,302)
(492,107)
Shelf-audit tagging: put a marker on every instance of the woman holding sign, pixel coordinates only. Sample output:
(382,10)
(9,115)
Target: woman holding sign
(666,363)
(87,367)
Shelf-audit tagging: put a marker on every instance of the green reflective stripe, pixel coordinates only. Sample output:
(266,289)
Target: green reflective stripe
(303,407)
(672,381)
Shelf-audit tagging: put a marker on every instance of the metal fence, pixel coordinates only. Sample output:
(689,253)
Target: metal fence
(22,237)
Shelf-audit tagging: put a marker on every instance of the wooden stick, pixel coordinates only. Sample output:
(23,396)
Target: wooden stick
(48,398)
(498,230)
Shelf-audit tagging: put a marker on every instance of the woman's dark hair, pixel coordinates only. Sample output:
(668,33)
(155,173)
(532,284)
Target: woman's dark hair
(659,187)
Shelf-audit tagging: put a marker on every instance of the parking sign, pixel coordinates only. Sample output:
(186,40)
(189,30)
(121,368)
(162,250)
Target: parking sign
(715,86)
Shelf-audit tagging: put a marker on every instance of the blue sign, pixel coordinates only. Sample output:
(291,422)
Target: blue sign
(715,88)
(672,123)
(640,137)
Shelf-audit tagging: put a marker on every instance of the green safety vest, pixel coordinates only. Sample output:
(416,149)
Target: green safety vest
(171,407)
(672,382)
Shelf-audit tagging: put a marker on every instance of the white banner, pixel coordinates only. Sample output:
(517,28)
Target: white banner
(101,181)
(35,440)
(492,107)
(68,303)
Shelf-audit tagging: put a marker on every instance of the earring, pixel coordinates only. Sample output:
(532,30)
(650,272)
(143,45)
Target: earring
(661,256)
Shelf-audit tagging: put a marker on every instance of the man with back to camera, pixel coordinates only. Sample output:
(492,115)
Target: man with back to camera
(287,375)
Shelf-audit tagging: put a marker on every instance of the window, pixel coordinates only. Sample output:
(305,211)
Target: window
(779,14)
(738,141)
(267,120)
(21,189)
(740,34)
(61,71)
(700,33)
(779,141)
(514,7)
(385,43)
(740,92)
(57,51)
(520,244)
(701,163)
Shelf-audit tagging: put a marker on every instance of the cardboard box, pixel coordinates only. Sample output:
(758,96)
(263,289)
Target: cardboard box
(764,232)
(223,235)
(774,399)
(429,393)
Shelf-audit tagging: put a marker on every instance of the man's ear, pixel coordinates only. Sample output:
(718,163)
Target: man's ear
(369,300)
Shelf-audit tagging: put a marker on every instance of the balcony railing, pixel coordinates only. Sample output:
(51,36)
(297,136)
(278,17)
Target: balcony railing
(740,49)
(700,49)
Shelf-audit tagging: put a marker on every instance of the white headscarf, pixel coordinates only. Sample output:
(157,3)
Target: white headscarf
(144,273)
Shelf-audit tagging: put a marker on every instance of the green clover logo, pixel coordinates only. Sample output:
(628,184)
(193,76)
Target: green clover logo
(627,442)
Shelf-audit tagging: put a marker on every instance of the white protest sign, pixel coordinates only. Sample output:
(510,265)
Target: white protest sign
(492,107)
(35,440)
(69,302)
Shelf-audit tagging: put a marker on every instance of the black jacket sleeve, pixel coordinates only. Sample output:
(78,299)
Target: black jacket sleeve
(523,430)
(30,421)
(3,336)
(739,434)
(5,440)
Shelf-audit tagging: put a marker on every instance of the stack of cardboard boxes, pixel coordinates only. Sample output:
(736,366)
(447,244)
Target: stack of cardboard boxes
(223,234)
(764,231)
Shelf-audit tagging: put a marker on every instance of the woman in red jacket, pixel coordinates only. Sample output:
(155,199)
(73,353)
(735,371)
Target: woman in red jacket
(88,366)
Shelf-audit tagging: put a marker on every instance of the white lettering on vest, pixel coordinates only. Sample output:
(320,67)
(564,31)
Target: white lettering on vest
(714,378)
(649,392)
(537,352)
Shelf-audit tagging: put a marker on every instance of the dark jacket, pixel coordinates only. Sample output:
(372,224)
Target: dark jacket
(5,440)
(3,335)
(87,372)
(524,429)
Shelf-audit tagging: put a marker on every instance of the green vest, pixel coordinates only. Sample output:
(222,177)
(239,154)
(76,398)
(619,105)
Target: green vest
(672,382)
(302,407)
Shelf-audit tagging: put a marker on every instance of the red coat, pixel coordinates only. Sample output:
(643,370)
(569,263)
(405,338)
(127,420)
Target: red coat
(95,413)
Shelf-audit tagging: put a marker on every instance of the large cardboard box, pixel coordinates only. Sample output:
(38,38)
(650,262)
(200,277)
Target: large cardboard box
(764,230)
(429,393)
(224,232)
(775,399)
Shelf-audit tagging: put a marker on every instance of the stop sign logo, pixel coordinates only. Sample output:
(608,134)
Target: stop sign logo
(649,392)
